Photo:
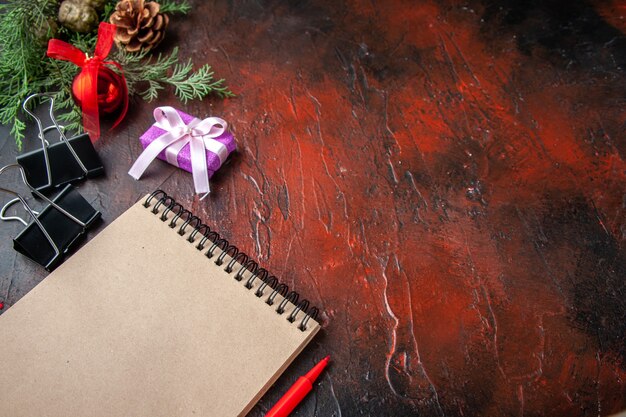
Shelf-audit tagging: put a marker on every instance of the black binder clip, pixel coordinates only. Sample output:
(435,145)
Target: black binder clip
(60,163)
(56,228)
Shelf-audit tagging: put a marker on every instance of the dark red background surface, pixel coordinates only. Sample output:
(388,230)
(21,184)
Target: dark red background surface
(445,180)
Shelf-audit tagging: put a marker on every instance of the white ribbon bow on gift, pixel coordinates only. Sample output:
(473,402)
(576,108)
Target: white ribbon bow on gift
(199,134)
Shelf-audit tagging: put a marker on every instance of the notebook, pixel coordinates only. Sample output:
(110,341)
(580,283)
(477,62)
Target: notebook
(155,316)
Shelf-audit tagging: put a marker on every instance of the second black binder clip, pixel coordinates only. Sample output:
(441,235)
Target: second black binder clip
(56,228)
(54,165)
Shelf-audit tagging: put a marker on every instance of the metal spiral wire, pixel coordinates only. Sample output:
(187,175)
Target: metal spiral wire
(246,263)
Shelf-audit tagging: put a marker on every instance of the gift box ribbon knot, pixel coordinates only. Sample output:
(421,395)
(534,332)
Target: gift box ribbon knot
(199,134)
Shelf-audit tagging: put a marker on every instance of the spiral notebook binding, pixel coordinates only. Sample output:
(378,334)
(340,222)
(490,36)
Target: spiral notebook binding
(209,243)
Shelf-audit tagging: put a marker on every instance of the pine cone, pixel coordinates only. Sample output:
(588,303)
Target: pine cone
(139,24)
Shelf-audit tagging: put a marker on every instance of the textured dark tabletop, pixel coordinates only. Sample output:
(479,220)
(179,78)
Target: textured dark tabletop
(445,180)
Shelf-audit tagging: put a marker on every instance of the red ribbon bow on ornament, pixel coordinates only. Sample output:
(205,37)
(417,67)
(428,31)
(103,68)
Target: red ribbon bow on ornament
(97,87)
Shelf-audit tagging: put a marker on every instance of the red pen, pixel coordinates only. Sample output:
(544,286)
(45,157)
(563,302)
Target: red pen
(298,391)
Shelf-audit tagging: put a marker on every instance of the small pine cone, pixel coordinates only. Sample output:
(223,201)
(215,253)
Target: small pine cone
(139,24)
(78,15)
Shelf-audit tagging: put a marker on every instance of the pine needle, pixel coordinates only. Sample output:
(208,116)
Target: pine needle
(147,77)
(20,57)
(191,85)
(168,6)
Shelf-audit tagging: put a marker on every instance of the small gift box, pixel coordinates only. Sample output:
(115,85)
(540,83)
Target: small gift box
(197,146)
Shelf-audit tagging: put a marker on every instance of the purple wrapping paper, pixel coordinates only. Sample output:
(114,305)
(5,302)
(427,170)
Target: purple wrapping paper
(184,156)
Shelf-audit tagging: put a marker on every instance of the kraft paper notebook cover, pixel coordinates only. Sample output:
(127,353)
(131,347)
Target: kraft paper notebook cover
(139,322)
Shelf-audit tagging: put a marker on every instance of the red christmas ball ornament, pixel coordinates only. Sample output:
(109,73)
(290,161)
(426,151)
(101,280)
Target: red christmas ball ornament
(111,89)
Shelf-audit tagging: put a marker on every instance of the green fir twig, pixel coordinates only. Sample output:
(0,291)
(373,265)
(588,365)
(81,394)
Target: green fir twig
(168,6)
(191,85)
(147,77)
(22,25)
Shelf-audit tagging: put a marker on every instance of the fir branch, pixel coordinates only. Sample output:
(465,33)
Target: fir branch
(168,6)
(147,77)
(24,25)
(70,116)
(138,69)
(86,42)
(191,85)
(152,91)
(17,130)
(109,8)
(9,116)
